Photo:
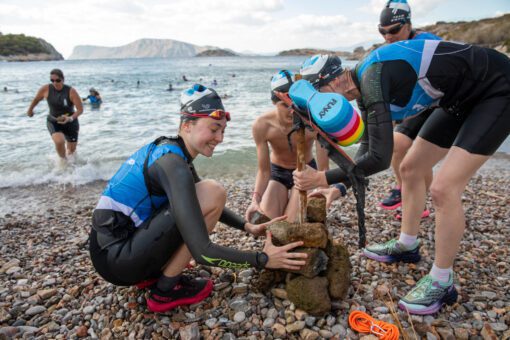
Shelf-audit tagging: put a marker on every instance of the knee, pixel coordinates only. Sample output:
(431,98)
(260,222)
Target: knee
(409,170)
(400,147)
(442,194)
(216,191)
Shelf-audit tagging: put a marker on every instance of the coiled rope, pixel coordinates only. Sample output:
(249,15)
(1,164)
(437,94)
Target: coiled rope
(364,323)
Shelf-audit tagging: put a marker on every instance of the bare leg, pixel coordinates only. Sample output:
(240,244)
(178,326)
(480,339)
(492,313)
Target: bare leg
(292,209)
(274,200)
(71,147)
(59,141)
(402,143)
(212,197)
(446,190)
(415,168)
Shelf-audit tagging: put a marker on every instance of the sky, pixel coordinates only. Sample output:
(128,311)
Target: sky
(259,26)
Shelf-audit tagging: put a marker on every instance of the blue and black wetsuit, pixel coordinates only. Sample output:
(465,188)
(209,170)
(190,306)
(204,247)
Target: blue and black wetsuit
(60,104)
(411,126)
(135,233)
(469,86)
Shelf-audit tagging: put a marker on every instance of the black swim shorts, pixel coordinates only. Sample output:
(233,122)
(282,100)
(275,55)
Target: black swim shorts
(411,126)
(70,130)
(284,176)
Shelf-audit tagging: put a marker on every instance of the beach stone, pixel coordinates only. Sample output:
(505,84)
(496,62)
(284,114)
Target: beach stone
(499,326)
(267,279)
(295,327)
(35,310)
(240,288)
(339,270)
(461,333)
(8,332)
(326,334)
(279,293)
(82,331)
(240,305)
(9,264)
(316,262)
(487,332)
(4,315)
(89,309)
(239,317)
(308,334)
(246,273)
(210,323)
(316,209)
(46,293)
(314,235)
(445,333)
(268,323)
(316,300)
(258,218)
(190,332)
(12,270)
(339,330)
(279,330)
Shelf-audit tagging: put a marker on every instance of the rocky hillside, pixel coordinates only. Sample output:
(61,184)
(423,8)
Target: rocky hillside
(492,32)
(314,51)
(142,48)
(217,53)
(18,47)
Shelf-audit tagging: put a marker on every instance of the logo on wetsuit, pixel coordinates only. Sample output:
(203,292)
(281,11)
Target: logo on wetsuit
(226,264)
(328,107)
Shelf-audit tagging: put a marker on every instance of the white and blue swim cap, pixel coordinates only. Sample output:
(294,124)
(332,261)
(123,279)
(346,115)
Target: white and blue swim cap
(199,99)
(281,82)
(395,11)
(320,69)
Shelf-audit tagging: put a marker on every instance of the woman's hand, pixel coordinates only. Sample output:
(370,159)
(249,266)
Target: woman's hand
(259,229)
(309,179)
(280,257)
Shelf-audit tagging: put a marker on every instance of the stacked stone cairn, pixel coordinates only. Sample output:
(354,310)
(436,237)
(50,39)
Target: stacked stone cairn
(326,274)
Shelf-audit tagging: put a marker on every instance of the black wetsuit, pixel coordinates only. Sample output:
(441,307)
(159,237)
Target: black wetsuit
(60,104)
(473,114)
(136,254)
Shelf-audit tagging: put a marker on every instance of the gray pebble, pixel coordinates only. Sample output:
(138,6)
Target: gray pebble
(35,310)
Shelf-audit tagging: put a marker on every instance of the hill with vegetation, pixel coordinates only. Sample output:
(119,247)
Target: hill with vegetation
(19,47)
(219,52)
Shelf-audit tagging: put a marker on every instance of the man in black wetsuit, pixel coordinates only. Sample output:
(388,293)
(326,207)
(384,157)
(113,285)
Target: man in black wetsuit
(155,214)
(62,121)
(470,87)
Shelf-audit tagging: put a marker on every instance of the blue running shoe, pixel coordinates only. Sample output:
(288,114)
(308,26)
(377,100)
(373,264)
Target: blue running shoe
(393,251)
(428,296)
(393,201)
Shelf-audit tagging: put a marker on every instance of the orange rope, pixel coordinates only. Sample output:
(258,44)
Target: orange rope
(364,323)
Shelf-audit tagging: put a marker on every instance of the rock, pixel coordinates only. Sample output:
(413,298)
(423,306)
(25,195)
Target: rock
(487,333)
(499,326)
(4,315)
(339,270)
(316,209)
(295,327)
(210,323)
(461,333)
(268,323)
(190,332)
(239,317)
(267,279)
(89,309)
(8,332)
(35,310)
(279,293)
(279,330)
(240,288)
(46,293)
(308,334)
(369,337)
(325,333)
(314,235)
(82,331)
(12,270)
(10,264)
(257,218)
(240,305)
(316,262)
(445,333)
(316,301)
(339,331)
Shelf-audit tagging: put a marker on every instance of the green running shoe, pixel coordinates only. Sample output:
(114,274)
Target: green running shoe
(428,296)
(393,251)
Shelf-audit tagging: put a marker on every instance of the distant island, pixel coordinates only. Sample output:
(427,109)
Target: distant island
(217,53)
(142,48)
(19,47)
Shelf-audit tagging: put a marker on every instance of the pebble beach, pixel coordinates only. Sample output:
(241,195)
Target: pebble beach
(49,289)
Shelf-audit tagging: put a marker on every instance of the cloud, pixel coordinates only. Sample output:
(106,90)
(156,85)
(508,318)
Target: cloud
(418,7)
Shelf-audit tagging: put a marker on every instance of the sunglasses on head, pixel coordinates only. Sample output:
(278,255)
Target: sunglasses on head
(216,114)
(58,80)
(394,30)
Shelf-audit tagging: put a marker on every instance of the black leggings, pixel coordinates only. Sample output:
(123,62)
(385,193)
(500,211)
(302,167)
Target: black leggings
(142,254)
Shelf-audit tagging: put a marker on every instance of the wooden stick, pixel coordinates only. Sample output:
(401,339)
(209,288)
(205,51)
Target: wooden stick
(301,165)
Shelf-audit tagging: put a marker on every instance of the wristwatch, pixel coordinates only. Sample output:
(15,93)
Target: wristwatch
(262,259)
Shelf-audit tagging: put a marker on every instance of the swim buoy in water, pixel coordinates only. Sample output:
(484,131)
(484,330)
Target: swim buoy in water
(330,111)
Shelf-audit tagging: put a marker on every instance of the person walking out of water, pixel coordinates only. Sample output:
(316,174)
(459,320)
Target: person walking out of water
(184,78)
(62,121)
(156,213)
(470,88)
(274,194)
(94,97)
(170,87)
(395,25)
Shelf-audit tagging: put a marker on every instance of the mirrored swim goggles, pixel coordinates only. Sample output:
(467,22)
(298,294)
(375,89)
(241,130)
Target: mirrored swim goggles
(216,115)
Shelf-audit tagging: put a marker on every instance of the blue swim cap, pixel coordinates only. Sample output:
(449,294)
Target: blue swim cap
(200,99)
(395,11)
(281,82)
(320,69)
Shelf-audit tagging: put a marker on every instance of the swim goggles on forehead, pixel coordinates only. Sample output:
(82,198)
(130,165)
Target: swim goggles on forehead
(216,114)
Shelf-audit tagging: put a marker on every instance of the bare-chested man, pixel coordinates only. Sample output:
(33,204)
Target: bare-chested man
(276,160)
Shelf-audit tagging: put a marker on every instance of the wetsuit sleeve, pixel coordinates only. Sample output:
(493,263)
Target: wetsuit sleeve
(376,149)
(231,219)
(172,173)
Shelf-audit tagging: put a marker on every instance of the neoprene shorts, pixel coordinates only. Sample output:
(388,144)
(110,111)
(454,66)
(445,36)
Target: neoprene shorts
(70,130)
(411,126)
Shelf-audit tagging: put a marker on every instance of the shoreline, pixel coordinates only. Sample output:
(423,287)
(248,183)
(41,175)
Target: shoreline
(52,290)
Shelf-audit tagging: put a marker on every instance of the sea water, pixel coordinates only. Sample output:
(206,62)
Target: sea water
(131,115)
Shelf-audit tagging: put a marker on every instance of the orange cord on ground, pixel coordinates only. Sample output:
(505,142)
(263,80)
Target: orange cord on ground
(364,323)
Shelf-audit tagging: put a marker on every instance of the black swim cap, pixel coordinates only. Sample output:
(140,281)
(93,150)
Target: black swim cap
(394,12)
(200,99)
(320,69)
(57,72)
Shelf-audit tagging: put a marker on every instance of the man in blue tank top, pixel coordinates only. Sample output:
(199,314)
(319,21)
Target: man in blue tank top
(470,88)
(395,25)
(62,121)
